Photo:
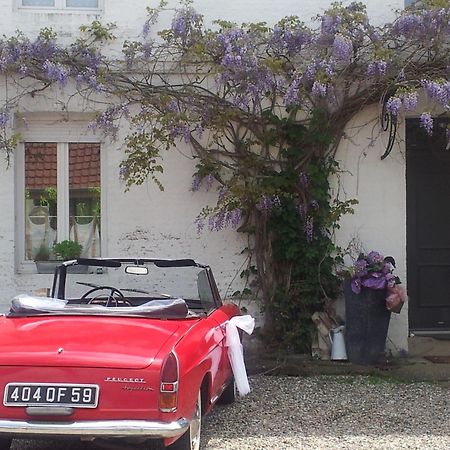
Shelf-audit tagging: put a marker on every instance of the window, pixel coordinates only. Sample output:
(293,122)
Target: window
(38,2)
(82,3)
(61,197)
(61,4)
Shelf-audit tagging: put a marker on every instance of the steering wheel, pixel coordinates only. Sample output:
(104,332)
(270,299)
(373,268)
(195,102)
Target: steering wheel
(114,296)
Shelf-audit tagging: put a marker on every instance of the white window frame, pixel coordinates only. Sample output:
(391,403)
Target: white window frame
(60,6)
(62,138)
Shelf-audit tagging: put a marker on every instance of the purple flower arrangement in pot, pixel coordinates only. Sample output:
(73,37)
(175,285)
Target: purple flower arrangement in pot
(374,271)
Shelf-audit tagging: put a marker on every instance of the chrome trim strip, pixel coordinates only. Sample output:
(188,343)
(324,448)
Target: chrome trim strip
(49,411)
(99,428)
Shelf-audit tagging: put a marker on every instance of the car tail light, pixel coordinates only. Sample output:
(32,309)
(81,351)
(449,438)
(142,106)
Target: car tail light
(168,392)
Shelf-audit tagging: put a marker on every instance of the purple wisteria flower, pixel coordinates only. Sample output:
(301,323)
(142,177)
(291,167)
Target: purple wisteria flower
(422,26)
(393,106)
(289,39)
(123,172)
(108,119)
(196,183)
(407,24)
(209,181)
(342,48)
(153,14)
(5,116)
(301,211)
(330,23)
(220,220)
(438,91)
(291,97)
(234,217)
(377,68)
(181,131)
(309,228)
(426,122)
(267,203)
(319,89)
(406,100)
(146,28)
(410,100)
(56,72)
(223,191)
(303,178)
(200,224)
(184,24)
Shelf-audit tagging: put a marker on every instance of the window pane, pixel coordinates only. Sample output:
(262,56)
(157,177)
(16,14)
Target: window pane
(82,3)
(40,200)
(38,2)
(84,197)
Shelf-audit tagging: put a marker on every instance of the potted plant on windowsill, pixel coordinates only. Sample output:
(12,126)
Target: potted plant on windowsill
(64,251)
(67,250)
(41,259)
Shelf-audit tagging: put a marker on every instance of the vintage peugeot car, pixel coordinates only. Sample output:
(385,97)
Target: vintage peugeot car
(134,350)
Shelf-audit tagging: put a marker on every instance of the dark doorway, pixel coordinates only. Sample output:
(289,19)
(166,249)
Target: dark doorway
(428,226)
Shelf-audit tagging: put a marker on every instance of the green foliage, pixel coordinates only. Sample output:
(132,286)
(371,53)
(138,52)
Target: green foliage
(67,249)
(46,34)
(99,31)
(48,196)
(311,262)
(143,160)
(42,254)
(8,144)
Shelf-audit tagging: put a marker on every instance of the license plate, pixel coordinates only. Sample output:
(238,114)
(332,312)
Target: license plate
(49,394)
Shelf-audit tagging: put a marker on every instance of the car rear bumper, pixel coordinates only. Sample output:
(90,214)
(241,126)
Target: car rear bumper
(94,429)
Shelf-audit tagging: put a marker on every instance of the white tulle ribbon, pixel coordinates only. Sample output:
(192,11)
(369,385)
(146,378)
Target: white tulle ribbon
(235,350)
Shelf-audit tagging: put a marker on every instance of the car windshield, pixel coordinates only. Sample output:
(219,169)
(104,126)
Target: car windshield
(157,288)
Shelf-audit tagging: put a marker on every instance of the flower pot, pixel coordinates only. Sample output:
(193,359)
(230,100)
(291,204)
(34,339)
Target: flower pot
(367,323)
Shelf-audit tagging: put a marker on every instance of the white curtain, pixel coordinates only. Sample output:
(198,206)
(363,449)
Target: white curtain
(38,232)
(88,235)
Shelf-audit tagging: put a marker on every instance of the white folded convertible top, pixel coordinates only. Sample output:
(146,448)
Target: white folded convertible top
(26,305)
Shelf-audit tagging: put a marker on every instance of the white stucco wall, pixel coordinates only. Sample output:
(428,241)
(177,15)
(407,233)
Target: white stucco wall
(379,221)
(129,16)
(148,222)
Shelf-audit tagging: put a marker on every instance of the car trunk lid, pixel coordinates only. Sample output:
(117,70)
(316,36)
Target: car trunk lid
(108,342)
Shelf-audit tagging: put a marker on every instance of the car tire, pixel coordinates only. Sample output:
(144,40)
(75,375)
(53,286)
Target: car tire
(229,395)
(5,443)
(190,440)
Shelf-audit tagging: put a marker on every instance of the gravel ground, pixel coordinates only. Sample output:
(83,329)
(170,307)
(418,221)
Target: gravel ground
(339,412)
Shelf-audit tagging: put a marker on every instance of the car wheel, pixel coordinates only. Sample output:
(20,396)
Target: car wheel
(191,439)
(5,443)
(229,395)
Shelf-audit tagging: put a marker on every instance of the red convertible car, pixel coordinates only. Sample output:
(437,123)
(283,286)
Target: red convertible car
(133,350)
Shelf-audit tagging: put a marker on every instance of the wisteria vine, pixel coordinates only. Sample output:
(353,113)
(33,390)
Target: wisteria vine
(263,109)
